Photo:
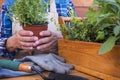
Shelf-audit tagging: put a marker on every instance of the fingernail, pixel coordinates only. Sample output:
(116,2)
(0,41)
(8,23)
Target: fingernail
(38,47)
(31,33)
(35,38)
(37,42)
(31,48)
(34,44)
(41,33)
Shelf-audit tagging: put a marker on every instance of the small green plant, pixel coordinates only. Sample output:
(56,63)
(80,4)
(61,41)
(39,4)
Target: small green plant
(101,25)
(30,12)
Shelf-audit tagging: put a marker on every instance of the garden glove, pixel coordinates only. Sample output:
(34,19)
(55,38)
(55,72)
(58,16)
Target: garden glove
(49,62)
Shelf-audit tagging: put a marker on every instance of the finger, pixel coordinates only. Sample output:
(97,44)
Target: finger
(27,44)
(26,48)
(28,39)
(44,40)
(25,33)
(45,33)
(46,46)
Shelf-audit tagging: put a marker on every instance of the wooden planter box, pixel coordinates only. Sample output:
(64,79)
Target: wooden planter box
(84,56)
(81,7)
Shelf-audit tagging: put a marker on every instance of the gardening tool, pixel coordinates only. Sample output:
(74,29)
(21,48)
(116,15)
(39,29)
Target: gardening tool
(18,66)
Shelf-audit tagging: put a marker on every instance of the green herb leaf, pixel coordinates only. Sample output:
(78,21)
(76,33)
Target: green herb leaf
(103,17)
(100,35)
(107,45)
(116,30)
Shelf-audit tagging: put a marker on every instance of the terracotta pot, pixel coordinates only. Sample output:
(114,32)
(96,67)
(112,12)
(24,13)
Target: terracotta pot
(84,56)
(36,29)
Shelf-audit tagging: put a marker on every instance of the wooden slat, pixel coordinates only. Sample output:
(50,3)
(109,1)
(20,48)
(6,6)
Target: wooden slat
(85,54)
(82,2)
(95,73)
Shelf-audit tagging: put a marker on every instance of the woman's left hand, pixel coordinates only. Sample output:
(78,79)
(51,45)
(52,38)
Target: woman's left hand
(49,41)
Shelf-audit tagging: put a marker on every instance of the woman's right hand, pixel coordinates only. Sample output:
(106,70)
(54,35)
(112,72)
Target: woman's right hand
(22,39)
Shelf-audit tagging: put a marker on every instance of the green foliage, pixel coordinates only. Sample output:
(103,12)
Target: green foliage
(101,25)
(30,12)
(108,45)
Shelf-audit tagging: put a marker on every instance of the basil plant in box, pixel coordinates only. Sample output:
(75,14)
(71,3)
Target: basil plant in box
(31,14)
(102,24)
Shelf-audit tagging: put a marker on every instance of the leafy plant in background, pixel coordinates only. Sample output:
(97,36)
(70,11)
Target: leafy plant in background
(30,12)
(101,25)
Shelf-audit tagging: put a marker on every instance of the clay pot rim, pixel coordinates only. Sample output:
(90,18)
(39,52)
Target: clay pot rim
(40,25)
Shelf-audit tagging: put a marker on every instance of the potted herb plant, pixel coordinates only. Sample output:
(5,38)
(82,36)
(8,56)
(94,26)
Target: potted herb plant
(98,33)
(31,14)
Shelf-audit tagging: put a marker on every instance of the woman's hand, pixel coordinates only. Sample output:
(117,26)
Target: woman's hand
(22,40)
(48,42)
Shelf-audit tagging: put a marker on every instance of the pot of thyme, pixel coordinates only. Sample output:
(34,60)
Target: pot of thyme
(31,14)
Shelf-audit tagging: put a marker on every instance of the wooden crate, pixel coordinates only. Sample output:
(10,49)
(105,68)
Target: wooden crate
(1,1)
(81,11)
(82,2)
(81,7)
(84,56)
